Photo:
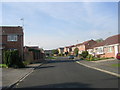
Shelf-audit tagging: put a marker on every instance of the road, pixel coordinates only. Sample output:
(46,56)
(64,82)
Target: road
(67,74)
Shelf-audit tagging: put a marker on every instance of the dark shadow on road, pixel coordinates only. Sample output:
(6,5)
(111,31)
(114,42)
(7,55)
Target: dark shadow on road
(60,61)
(42,67)
(62,85)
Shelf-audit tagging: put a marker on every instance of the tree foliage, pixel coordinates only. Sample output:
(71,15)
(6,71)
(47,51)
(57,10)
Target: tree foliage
(12,59)
(55,51)
(99,40)
(84,54)
(76,51)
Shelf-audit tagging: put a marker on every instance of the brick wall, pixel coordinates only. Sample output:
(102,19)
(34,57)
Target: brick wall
(13,44)
(108,54)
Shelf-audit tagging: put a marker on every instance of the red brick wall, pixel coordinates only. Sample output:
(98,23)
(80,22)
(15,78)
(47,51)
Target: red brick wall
(81,47)
(32,56)
(108,54)
(13,44)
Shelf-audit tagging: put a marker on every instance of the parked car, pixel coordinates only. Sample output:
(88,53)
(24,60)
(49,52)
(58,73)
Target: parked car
(71,57)
(118,56)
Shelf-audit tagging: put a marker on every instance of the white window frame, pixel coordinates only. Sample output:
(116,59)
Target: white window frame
(12,37)
(100,50)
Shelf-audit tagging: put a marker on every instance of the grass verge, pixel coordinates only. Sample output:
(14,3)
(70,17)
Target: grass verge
(3,66)
(50,57)
(116,65)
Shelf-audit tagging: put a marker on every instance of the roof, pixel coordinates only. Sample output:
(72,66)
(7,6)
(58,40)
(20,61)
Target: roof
(61,48)
(11,30)
(109,41)
(86,42)
(69,46)
(35,47)
(9,26)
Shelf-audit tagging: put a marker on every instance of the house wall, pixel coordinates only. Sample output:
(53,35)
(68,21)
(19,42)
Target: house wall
(109,54)
(81,48)
(119,48)
(28,56)
(66,49)
(73,48)
(13,44)
(60,50)
(32,56)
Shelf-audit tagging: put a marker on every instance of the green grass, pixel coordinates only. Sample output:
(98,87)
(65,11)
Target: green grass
(50,57)
(116,65)
(97,59)
(3,66)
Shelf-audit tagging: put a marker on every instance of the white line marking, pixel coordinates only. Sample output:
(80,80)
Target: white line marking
(118,75)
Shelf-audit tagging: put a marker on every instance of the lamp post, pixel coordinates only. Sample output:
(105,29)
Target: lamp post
(22,19)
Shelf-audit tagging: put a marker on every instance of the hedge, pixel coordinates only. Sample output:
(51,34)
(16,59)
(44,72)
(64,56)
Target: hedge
(12,59)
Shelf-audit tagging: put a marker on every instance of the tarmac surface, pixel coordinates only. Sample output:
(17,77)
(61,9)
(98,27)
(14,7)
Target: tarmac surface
(12,76)
(67,74)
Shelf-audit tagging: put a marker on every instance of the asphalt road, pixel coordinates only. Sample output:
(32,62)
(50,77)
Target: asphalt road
(67,74)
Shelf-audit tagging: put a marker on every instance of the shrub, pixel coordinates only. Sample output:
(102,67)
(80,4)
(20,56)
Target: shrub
(90,57)
(84,54)
(76,51)
(12,59)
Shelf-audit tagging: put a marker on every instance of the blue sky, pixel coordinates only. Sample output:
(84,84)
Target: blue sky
(57,24)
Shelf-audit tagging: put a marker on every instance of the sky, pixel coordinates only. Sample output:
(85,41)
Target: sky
(51,25)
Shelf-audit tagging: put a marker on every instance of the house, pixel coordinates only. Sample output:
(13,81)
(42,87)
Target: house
(69,49)
(85,45)
(33,54)
(48,53)
(12,38)
(61,50)
(108,48)
(66,50)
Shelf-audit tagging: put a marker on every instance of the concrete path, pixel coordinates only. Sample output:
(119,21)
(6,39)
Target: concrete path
(11,76)
(103,65)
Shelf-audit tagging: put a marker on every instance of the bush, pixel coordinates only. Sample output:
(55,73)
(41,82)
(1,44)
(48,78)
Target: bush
(90,57)
(84,54)
(12,59)
(76,51)
(26,62)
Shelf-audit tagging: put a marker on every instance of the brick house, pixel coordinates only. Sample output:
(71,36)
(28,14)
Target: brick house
(12,38)
(33,54)
(66,49)
(69,49)
(61,50)
(108,48)
(85,45)
(48,53)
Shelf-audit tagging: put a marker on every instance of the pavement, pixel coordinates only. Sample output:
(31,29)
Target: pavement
(12,76)
(103,65)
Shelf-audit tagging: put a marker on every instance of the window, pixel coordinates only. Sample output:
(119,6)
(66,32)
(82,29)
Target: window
(12,37)
(100,50)
(13,49)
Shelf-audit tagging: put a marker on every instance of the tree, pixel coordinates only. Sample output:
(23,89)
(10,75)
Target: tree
(66,53)
(84,54)
(76,51)
(12,59)
(55,51)
(99,40)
